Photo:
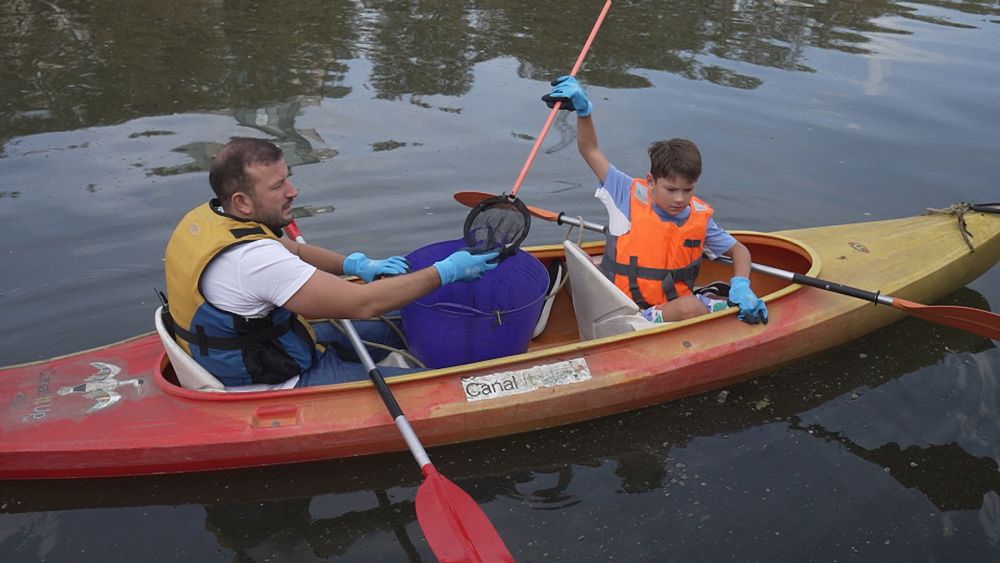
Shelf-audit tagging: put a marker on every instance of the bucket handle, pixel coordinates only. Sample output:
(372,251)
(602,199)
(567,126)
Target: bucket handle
(457,308)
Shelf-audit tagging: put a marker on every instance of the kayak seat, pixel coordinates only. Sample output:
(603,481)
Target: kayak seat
(601,308)
(557,278)
(192,376)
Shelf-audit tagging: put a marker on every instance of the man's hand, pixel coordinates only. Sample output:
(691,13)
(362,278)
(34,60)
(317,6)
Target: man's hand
(752,309)
(357,264)
(567,90)
(462,266)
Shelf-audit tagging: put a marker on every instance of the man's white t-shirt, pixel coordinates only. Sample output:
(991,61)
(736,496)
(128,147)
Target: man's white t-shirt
(253,279)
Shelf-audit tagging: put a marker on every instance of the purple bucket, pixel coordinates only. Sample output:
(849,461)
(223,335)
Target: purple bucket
(464,322)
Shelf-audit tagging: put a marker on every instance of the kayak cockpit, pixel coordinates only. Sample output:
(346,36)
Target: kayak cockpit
(577,314)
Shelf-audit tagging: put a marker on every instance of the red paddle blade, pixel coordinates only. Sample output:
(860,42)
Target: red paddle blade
(976,321)
(455,526)
(472,199)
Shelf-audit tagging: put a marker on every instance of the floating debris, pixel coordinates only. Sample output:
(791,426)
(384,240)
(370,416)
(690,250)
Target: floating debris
(309,210)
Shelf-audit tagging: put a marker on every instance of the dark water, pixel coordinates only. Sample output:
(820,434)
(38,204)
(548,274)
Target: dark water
(807,114)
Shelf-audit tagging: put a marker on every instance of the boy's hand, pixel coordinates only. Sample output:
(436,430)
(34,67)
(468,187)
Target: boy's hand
(567,90)
(752,309)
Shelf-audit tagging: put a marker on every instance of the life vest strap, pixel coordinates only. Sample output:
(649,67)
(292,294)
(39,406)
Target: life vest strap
(668,277)
(256,338)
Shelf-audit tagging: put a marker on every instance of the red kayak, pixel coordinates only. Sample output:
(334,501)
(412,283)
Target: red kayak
(119,409)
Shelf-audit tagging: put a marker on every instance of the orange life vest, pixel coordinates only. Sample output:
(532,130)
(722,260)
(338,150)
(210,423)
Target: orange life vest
(656,261)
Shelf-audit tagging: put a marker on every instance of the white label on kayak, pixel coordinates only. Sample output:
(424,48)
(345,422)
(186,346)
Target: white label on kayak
(506,383)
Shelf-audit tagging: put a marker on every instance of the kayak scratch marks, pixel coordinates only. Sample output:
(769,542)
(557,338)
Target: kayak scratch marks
(505,383)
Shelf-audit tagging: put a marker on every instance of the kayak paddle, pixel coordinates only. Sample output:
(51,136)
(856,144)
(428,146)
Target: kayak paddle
(501,221)
(977,321)
(455,526)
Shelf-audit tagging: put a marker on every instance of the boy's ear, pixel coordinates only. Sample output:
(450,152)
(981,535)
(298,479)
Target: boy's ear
(649,178)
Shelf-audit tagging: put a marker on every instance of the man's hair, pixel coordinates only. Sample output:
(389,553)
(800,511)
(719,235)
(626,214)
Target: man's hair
(229,167)
(676,157)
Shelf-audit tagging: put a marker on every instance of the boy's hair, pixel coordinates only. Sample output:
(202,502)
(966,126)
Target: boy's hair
(676,157)
(228,174)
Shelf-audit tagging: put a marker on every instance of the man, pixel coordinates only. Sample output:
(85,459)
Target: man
(240,291)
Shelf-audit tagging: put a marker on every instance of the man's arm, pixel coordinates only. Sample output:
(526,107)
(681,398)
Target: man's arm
(325,295)
(326,260)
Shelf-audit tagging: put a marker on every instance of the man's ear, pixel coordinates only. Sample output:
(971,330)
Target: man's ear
(242,203)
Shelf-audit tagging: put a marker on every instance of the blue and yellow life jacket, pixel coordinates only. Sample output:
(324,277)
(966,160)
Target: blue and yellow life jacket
(235,349)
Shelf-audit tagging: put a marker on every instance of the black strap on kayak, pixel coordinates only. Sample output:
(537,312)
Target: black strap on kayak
(986,207)
(168,321)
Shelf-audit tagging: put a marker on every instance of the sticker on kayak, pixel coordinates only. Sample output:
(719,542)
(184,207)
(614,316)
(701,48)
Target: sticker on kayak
(102,387)
(506,383)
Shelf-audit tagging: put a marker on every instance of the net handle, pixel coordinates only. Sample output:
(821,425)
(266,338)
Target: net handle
(558,104)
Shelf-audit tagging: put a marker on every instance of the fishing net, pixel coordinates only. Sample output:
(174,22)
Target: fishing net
(497,223)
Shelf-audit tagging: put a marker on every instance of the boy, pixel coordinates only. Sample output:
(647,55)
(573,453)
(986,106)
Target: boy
(657,228)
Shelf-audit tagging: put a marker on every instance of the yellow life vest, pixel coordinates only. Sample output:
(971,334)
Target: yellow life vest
(235,349)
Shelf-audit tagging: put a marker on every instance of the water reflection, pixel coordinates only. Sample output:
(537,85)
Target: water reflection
(921,468)
(265,531)
(72,63)
(835,137)
(276,121)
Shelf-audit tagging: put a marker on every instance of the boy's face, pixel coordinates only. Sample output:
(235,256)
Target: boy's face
(672,194)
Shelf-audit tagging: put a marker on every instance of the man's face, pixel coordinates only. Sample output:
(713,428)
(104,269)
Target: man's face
(672,194)
(272,195)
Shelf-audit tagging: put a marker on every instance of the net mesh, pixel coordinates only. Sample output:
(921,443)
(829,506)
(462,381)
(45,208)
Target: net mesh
(499,223)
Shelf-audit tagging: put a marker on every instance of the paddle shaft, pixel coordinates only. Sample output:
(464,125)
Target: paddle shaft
(412,442)
(409,436)
(977,321)
(561,219)
(558,104)
(874,297)
(455,526)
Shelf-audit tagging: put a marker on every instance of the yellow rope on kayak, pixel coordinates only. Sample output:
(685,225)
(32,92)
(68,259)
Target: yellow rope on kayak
(959,210)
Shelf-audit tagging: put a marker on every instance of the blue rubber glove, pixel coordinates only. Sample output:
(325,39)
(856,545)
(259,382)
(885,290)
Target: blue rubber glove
(462,266)
(567,90)
(752,310)
(357,264)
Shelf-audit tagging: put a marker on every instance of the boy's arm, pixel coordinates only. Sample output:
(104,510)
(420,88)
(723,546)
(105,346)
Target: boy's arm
(567,90)
(752,309)
(586,142)
(741,259)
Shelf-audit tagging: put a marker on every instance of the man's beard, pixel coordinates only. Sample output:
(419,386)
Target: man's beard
(275,221)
